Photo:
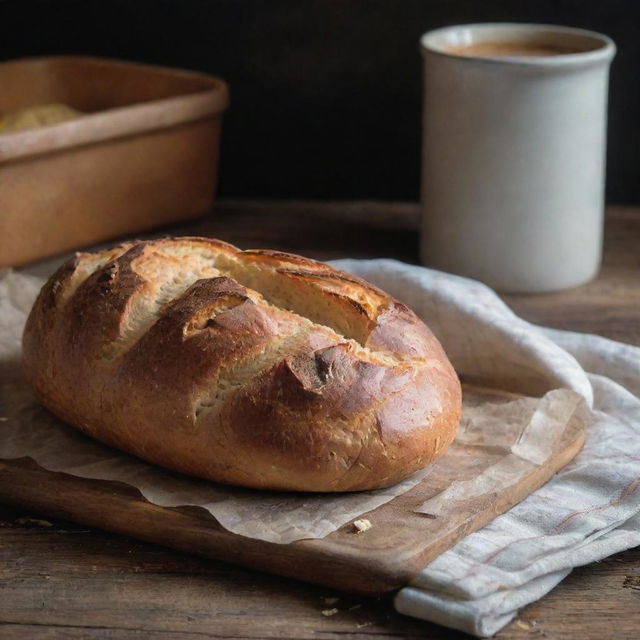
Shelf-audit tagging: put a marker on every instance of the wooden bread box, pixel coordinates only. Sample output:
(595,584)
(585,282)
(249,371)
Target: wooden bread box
(143,153)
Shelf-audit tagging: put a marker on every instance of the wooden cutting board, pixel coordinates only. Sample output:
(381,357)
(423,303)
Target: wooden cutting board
(398,545)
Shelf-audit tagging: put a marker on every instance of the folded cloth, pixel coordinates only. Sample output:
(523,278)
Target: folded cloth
(588,511)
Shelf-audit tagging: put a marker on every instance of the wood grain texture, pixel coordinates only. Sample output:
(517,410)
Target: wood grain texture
(66,581)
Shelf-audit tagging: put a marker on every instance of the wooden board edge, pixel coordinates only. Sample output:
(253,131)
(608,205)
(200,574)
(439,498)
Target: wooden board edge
(191,530)
(119,510)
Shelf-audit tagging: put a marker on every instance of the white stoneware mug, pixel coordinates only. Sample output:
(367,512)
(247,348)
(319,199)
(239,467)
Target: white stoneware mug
(514,153)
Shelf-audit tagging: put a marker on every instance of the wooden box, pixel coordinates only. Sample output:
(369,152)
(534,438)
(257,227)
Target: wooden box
(145,154)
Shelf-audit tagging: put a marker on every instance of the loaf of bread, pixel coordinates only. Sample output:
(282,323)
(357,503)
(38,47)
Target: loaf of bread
(253,368)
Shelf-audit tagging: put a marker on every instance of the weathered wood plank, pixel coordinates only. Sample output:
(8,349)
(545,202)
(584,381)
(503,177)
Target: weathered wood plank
(67,575)
(68,582)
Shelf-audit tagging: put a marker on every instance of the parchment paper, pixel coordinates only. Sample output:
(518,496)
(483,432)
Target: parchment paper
(523,428)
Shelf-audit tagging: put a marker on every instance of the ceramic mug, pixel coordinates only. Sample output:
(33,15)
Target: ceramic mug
(513,166)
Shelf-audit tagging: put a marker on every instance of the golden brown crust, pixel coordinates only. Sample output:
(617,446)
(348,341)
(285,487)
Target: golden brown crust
(256,368)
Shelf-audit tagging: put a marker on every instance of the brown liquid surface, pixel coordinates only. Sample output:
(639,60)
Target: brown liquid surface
(508,49)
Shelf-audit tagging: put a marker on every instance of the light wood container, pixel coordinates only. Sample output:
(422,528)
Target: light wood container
(145,154)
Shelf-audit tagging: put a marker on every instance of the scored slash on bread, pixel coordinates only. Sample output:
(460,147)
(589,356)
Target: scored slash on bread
(254,368)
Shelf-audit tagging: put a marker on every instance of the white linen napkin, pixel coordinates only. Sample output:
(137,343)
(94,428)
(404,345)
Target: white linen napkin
(588,511)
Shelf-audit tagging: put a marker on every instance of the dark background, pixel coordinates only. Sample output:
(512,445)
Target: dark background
(326,94)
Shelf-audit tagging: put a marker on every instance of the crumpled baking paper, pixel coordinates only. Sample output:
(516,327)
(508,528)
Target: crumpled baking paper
(524,429)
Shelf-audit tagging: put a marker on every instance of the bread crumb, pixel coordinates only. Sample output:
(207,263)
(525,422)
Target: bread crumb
(524,624)
(361,526)
(330,600)
(329,612)
(631,582)
(363,624)
(34,522)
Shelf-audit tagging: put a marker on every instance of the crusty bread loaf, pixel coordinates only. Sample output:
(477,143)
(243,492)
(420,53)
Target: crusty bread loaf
(253,368)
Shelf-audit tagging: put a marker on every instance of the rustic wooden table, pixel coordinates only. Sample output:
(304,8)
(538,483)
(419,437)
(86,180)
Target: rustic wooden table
(60,580)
